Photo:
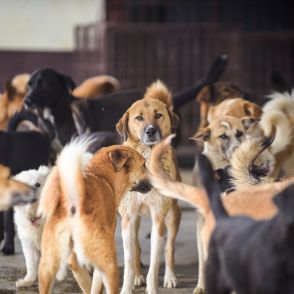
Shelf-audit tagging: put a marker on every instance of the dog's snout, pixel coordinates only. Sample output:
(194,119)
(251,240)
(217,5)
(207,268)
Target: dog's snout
(150,131)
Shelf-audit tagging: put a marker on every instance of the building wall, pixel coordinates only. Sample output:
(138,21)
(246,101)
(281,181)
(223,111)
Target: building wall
(45,25)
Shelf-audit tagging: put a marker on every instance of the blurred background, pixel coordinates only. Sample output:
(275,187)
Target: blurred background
(138,41)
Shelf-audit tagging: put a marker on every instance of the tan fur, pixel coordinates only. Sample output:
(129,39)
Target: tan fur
(95,86)
(11,100)
(10,189)
(255,202)
(80,228)
(163,211)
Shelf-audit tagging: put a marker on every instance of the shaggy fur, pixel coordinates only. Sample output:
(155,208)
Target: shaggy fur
(30,225)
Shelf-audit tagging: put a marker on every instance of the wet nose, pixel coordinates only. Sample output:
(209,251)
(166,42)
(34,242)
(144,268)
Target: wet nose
(150,131)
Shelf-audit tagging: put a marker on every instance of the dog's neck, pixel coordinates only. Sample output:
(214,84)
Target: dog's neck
(218,161)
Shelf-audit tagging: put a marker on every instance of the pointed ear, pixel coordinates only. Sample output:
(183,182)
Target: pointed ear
(4,172)
(202,135)
(248,122)
(10,89)
(122,126)
(285,203)
(118,158)
(252,109)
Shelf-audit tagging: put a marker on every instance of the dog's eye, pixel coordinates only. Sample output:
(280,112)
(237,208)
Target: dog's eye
(139,117)
(37,185)
(158,115)
(223,136)
(239,134)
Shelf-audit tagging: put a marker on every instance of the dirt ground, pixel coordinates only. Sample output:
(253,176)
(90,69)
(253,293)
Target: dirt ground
(13,267)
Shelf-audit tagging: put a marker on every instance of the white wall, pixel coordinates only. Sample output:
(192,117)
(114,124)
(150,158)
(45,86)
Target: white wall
(44,25)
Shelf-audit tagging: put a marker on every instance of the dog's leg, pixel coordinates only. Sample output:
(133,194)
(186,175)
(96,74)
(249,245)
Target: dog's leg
(128,235)
(172,222)
(139,278)
(81,274)
(32,257)
(97,285)
(7,247)
(201,260)
(157,241)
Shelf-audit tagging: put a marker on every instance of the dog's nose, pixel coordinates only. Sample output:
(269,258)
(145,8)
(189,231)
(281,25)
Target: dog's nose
(150,131)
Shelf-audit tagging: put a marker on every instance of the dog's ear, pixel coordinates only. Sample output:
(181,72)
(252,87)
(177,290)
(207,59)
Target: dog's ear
(248,122)
(203,95)
(252,109)
(67,81)
(285,203)
(4,172)
(174,118)
(10,89)
(122,126)
(202,135)
(118,158)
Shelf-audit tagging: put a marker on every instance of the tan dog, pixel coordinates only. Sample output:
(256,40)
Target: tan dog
(13,192)
(144,125)
(255,202)
(79,201)
(212,95)
(11,100)
(96,86)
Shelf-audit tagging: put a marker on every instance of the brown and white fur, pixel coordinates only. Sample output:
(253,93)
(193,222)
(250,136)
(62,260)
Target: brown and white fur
(79,201)
(30,224)
(13,192)
(255,202)
(144,125)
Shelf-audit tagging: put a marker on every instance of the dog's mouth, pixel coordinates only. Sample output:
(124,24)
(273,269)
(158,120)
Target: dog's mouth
(142,187)
(35,220)
(151,135)
(22,199)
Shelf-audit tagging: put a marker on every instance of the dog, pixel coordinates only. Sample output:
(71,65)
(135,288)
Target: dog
(13,192)
(95,86)
(255,202)
(11,100)
(257,267)
(79,202)
(30,225)
(51,91)
(144,125)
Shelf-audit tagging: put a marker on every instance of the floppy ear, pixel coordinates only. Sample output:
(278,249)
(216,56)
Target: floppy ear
(285,203)
(252,110)
(249,121)
(10,89)
(68,82)
(122,126)
(174,118)
(118,158)
(202,135)
(4,172)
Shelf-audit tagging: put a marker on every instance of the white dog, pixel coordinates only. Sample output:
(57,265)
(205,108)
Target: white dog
(30,225)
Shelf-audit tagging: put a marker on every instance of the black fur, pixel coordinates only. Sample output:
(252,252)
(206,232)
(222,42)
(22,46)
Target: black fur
(248,256)
(279,83)
(49,89)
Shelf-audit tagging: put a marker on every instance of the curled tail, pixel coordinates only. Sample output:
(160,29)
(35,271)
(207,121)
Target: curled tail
(211,186)
(243,170)
(175,189)
(66,182)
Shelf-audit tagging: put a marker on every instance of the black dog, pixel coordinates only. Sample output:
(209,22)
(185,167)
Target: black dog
(248,256)
(50,90)
(20,151)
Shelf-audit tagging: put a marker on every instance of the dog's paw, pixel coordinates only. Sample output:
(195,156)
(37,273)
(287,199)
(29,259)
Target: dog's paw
(24,283)
(198,291)
(170,282)
(7,250)
(139,281)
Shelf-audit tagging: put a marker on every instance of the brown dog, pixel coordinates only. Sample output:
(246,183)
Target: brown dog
(214,94)
(144,125)
(79,201)
(255,202)
(13,192)
(96,86)
(11,100)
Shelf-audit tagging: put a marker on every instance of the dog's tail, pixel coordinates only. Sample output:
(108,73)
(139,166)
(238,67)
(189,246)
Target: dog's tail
(66,178)
(243,171)
(278,113)
(175,189)
(18,117)
(211,186)
(214,73)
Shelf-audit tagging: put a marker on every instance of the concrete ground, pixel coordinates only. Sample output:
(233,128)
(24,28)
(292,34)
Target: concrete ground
(13,267)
